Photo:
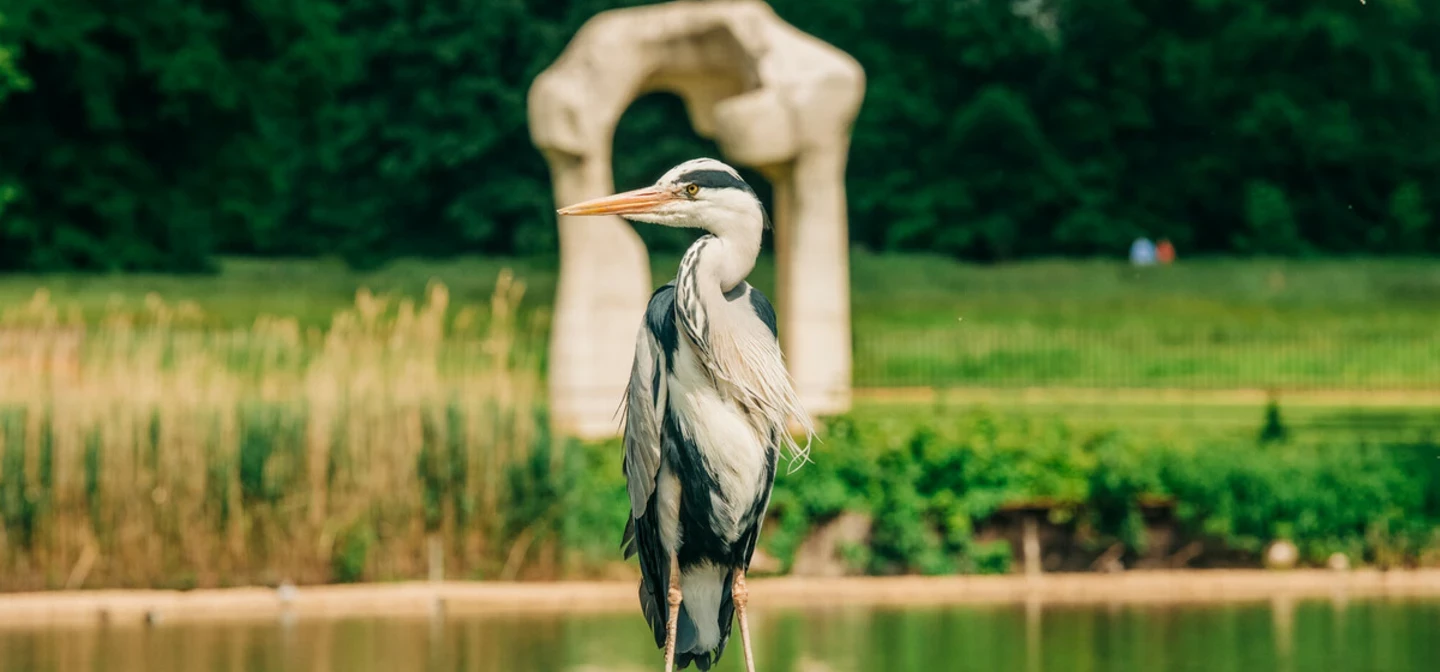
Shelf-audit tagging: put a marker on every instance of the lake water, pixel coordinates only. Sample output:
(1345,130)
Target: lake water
(1370,635)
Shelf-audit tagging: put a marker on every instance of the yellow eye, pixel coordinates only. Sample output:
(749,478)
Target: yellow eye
(692,189)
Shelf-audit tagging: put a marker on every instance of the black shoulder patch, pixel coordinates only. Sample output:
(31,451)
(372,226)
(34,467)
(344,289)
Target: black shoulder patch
(715,179)
(764,310)
(660,318)
(737,291)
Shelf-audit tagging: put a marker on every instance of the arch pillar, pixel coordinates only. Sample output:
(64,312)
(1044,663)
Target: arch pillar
(772,98)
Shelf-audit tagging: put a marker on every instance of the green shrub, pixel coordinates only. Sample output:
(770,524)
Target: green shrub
(1274,428)
(929,485)
(352,552)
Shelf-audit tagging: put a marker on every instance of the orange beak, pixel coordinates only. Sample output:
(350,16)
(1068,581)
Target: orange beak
(634,202)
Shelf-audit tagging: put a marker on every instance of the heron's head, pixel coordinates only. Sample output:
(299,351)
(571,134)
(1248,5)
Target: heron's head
(700,193)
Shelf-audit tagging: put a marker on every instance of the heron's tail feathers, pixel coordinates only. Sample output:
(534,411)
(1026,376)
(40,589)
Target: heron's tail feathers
(706,611)
(685,635)
(688,648)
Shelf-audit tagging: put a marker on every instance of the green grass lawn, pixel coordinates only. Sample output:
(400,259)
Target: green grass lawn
(1357,324)
(1207,323)
(1179,417)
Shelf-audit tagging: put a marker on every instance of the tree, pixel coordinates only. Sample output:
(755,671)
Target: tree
(162,136)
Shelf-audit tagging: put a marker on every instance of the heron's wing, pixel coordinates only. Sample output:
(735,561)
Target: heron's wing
(763,310)
(644,406)
(644,409)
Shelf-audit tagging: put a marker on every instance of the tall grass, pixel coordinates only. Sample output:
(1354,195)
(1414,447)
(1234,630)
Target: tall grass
(148,450)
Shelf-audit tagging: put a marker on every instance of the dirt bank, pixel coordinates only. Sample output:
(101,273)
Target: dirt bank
(122,607)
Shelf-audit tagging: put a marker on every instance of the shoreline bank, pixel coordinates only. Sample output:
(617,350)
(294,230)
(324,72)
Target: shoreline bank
(421,599)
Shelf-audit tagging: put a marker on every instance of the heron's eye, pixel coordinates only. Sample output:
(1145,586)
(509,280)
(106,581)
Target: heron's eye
(692,189)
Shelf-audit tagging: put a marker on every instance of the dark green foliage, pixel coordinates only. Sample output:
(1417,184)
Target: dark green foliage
(1274,428)
(929,486)
(92,474)
(992,557)
(1121,476)
(352,552)
(1325,498)
(144,140)
(271,451)
(27,478)
(162,135)
(1269,222)
(217,477)
(541,492)
(443,466)
(596,505)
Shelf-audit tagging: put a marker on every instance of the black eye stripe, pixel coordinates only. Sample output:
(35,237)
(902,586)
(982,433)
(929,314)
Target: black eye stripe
(714,179)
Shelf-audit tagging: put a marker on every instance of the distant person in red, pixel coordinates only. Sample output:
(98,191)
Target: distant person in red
(1165,252)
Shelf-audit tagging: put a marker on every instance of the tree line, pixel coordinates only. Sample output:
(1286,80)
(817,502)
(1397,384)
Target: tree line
(174,131)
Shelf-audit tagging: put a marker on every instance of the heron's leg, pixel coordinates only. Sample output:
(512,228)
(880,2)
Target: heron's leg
(741,595)
(674,619)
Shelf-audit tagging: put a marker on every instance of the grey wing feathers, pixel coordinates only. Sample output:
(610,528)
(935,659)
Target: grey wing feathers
(644,408)
(642,424)
(766,312)
(645,398)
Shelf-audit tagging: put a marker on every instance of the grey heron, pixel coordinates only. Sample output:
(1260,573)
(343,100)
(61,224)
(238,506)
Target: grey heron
(706,413)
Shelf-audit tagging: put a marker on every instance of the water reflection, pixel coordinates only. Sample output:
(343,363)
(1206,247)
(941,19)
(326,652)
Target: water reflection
(1372,635)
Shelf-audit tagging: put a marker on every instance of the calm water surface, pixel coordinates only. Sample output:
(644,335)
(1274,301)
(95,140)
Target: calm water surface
(1381,635)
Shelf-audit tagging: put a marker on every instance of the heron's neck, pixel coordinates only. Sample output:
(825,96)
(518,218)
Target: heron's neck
(727,258)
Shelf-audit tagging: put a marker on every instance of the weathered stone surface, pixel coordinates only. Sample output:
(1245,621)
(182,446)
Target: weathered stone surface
(1281,554)
(772,98)
(821,554)
(762,563)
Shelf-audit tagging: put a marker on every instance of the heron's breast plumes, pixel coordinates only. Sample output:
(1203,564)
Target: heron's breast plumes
(748,365)
(734,346)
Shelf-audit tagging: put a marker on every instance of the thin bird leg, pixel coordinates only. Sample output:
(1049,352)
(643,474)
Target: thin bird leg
(741,595)
(674,620)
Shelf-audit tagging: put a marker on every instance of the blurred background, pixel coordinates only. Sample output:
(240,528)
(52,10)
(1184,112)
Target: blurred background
(1149,284)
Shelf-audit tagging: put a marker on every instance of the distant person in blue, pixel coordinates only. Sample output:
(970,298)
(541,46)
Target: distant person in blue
(1142,252)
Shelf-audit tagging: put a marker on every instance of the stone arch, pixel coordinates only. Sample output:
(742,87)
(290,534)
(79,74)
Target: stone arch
(772,98)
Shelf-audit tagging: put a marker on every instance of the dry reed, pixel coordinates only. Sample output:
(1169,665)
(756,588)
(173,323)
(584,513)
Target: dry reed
(146,450)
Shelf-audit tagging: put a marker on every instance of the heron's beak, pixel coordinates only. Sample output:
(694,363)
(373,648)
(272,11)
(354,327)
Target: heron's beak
(634,202)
